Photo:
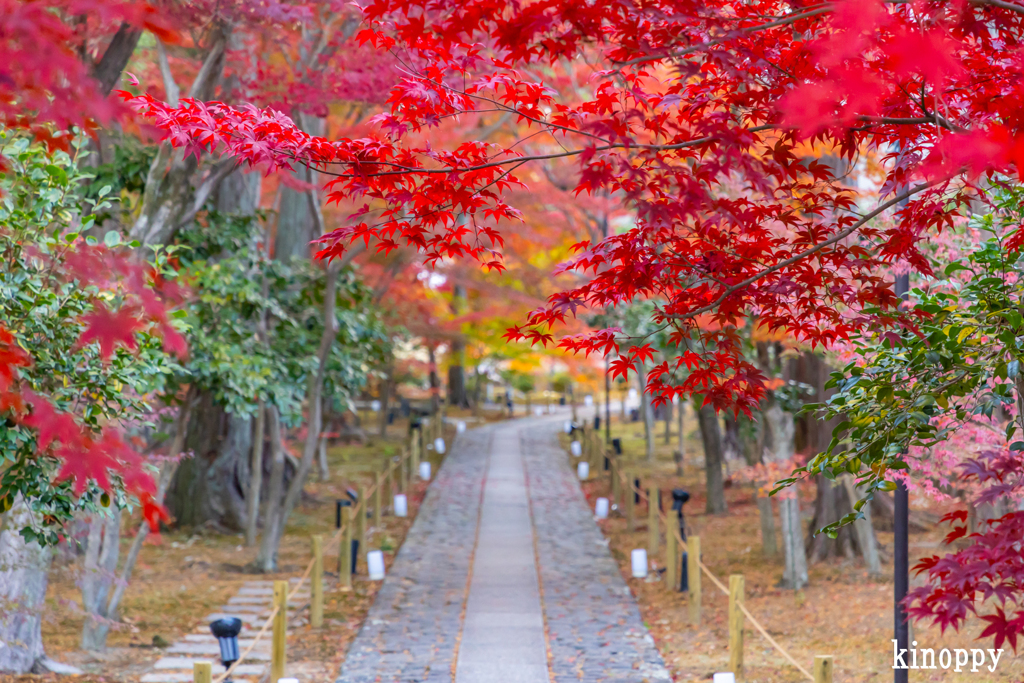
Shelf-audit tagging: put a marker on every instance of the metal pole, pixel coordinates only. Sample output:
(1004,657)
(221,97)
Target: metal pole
(607,402)
(901,560)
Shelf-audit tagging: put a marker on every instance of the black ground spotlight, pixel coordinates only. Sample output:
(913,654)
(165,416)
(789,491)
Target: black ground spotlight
(679,498)
(226,631)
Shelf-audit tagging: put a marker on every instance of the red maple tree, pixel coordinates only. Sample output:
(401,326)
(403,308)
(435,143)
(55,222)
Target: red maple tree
(698,116)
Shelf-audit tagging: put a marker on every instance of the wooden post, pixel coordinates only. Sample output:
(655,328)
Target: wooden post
(736,589)
(613,475)
(403,475)
(378,502)
(414,448)
(822,668)
(652,521)
(345,551)
(630,503)
(316,584)
(671,561)
(389,485)
(277,649)
(693,577)
(202,672)
(361,520)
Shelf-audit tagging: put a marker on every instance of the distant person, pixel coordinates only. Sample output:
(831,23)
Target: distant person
(508,402)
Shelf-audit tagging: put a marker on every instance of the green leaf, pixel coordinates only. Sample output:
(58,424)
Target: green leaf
(112,238)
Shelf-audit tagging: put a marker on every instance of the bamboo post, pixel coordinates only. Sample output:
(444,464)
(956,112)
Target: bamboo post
(736,589)
(671,559)
(822,668)
(378,502)
(277,649)
(361,521)
(389,484)
(403,475)
(652,521)
(345,551)
(693,577)
(613,474)
(414,448)
(316,584)
(630,503)
(202,672)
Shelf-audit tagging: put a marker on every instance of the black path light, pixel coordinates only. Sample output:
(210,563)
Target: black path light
(353,498)
(679,498)
(226,631)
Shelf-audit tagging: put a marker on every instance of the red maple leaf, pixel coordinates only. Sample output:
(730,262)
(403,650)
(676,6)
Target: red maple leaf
(1001,628)
(153,513)
(50,424)
(110,328)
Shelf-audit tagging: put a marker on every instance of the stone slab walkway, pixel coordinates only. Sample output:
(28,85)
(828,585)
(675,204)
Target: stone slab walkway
(252,604)
(504,576)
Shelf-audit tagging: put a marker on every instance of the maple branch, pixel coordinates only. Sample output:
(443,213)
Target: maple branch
(782,21)
(171,88)
(405,170)
(813,250)
(1002,4)
(909,121)
(116,57)
(206,79)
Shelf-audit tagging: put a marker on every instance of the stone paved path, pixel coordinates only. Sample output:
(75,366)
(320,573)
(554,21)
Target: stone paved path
(505,577)
(252,604)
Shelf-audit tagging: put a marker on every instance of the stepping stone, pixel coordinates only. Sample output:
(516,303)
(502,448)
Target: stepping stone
(186,677)
(253,609)
(249,600)
(186,663)
(251,619)
(243,640)
(213,650)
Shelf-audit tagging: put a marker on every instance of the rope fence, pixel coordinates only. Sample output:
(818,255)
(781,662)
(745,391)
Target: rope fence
(627,484)
(408,460)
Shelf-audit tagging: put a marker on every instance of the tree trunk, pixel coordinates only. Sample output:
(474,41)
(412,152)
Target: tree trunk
(667,407)
(210,487)
(252,503)
(323,467)
(297,222)
(769,547)
(710,434)
(23,576)
(435,382)
(266,560)
(648,411)
(833,501)
(457,379)
(865,532)
(166,472)
(779,432)
(101,556)
(680,454)
(314,400)
(385,394)
(830,505)
(177,186)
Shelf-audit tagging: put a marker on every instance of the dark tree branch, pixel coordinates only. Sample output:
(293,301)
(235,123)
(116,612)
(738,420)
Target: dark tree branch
(115,58)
